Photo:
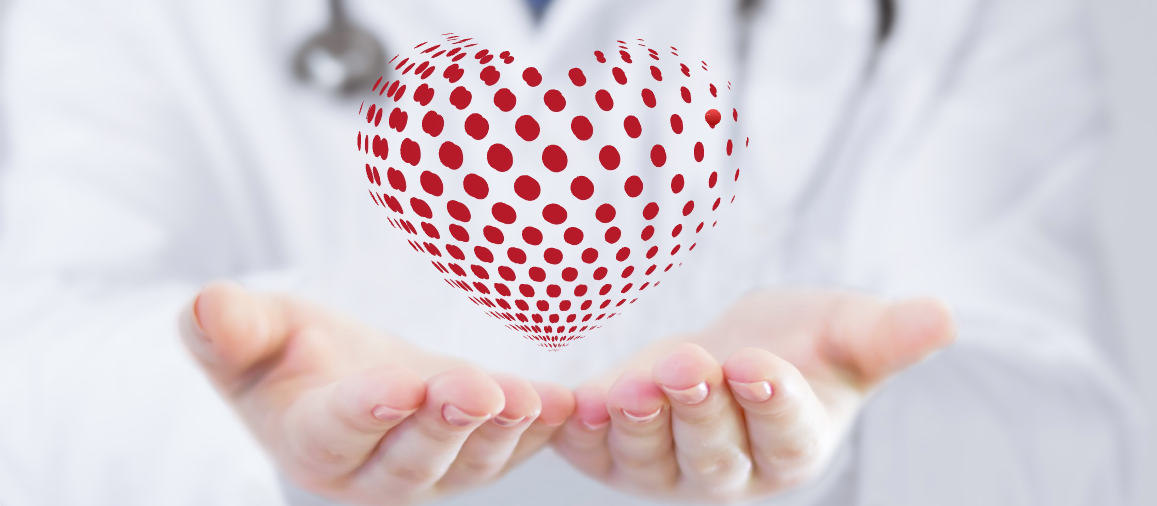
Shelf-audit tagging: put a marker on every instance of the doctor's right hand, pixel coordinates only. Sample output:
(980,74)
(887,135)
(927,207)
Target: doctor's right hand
(357,416)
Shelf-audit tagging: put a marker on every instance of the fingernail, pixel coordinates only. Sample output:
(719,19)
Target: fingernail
(194,336)
(642,418)
(458,418)
(693,395)
(754,392)
(388,414)
(595,426)
(197,330)
(502,421)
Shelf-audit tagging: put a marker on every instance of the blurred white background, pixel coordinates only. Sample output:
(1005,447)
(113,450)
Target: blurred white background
(1127,32)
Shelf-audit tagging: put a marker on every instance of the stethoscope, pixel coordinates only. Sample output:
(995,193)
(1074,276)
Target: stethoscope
(344,58)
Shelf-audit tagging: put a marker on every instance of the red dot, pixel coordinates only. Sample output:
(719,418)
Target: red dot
(516,255)
(688,207)
(450,155)
(421,207)
(652,252)
(527,187)
(458,211)
(459,233)
(492,234)
(432,232)
(590,255)
(585,306)
(568,274)
(554,214)
(477,126)
(505,100)
(609,157)
(627,272)
(531,76)
(475,186)
(625,56)
(686,94)
(579,291)
(655,73)
(503,213)
(537,274)
(698,151)
(675,249)
(605,290)
(713,179)
(699,228)
(633,186)
(651,210)
(489,75)
(613,235)
(599,56)
(658,155)
(398,119)
(577,77)
(527,128)
(432,123)
(737,174)
(411,152)
(600,273)
(431,183)
(712,117)
(582,128)
(526,290)
(483,254)
(532,236)
(632,126)
(573,236)
(552,256)
(714,92)
(554,291)
(554,158)
(454,251)
(648,98)
(620,76)
(686,71)
(554,100)
(603,98)
(730,147)
(677,183)
(623,254)
(605,213)
(480,272)
(453,73)
(735,114)
(676,124)
(582,188)
(676,231)
(716,205)
(460,97)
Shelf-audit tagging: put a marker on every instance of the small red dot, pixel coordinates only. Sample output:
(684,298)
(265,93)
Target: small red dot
(554,100)
(658,155)
(623,254)
(650,211)
(554,214)
(582,128)
(499,157)
(698,151)
(599,273)
(552,256)
(505,100)
(577,77)
(590,255)
(633,127)
(600,57)
(613,235)
(676,124)
(633,186)
(655,73)
(686,94)
(605,213)
(532,236)
(432,123)
(527,128)
(450,155)
(477,126)
(458,211)
(603,98)
(527,188)
(504,213)
(609,157)
(431,183)
(554,158)
(677,183)
(573,236)
(460,98)
(492,234)
(517,256)
(532,77)
(582,188)
(712,180)
(620,76)
(649,98)
(688,207)
(475,186)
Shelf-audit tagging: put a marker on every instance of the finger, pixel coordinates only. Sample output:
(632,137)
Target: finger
(875,340)
(786,423)
(330,431)
(486,451)
(582,440)
(557,405)
(707,424)
(415,454)
(232,331)
(640,440)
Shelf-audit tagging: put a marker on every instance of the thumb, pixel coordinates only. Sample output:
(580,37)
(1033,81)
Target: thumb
(876,344)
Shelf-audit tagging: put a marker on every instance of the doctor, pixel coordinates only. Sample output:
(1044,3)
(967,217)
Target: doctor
(941,148)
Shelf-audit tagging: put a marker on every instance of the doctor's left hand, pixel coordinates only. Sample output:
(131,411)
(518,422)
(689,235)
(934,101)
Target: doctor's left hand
(754,404)
(353,414)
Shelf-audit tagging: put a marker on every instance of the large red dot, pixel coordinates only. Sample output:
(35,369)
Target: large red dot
(658,155)
(396,179)
(698,151)
(459,233)
(475,186)
(483,254)
(603,98)
(649,98)
(655,73)
(632,126)
(527,187)
(432,123)
(504,213)
(633,186)
(411,152)
(421,207)
(569,274)
(676,124)
(609,157)
(460,98)
(450,155)
(537,274)
(605,213)
(651,210)
(527,128)
(516,255)
(554,214)
(573,236)
(531,76)
(554,100)
(577,77)
(677,183)
(431,183)
(552,256)
(554,158)
(686,94)
(532,236)
(505,100)
(582,128)
(688,207)
(623,254)
(613,235)
(477,126)
(492,234)
(620,76)
(499,157)
(582,188)
(458,211)
(590,255)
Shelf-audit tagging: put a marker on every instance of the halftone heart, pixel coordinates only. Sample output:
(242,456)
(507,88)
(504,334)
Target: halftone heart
(554,197)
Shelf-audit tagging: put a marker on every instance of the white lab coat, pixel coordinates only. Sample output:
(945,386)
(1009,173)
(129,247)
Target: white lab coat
(152,146)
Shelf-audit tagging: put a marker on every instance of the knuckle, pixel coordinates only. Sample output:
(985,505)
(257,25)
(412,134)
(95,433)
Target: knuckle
(721,464)
(483,468)
(414,476)
(797,453)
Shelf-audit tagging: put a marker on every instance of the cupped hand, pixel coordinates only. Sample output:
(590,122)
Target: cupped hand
(753,405)
(355,415)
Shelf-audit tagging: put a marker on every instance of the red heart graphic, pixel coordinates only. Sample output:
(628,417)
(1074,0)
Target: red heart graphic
(559,198)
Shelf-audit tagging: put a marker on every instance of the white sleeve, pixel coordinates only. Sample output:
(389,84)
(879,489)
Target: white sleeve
(972,182)
(106,189)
